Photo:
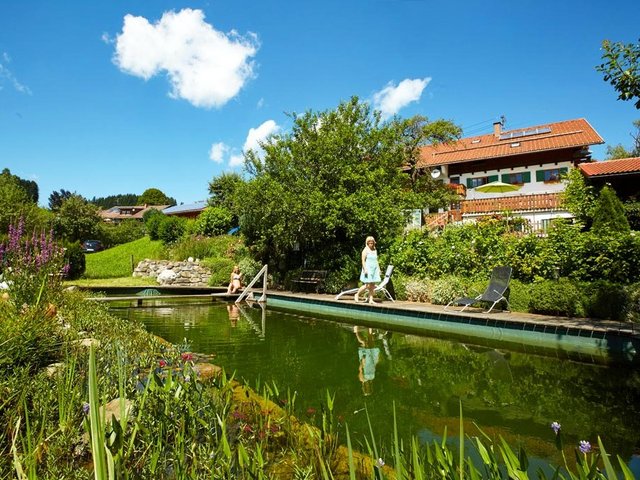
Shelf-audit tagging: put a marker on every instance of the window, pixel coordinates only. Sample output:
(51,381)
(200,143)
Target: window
(477,181)
(455,180)
(519,178)
(551,175)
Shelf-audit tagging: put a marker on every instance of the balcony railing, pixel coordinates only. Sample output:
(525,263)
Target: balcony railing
(541,202)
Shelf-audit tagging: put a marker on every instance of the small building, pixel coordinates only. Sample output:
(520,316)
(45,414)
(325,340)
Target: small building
(622,174)
(532,158)
(190,210)
(136,212)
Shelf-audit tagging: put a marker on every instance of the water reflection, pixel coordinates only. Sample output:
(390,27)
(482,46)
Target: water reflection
(508,393)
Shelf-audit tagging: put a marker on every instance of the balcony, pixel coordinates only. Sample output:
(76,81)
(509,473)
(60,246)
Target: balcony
(520,203)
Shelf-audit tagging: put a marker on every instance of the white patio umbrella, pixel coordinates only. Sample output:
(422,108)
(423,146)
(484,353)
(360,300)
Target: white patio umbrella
(498,187)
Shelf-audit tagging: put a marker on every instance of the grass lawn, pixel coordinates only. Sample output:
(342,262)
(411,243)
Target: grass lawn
(118,262)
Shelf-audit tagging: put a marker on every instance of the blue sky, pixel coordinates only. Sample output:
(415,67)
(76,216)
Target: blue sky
(112,97)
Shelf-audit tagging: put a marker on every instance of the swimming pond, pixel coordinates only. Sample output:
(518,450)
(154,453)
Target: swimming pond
(515,393)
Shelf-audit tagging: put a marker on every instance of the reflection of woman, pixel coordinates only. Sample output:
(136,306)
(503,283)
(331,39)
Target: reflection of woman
(368,355)
(234,313)
(370,274)
(234,280)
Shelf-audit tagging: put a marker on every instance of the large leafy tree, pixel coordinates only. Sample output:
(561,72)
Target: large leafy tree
(621,68)
(326,185)
(16,203)
(76,219)
(56,198)
(578,197)
(154,196)
(29,186)
(223,188)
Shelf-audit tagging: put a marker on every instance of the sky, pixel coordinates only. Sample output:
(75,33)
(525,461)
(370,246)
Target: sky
(112,97)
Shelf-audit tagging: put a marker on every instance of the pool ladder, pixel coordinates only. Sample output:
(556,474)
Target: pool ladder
(248,294)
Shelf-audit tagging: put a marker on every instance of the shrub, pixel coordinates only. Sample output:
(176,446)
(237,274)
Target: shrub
(519,295)
(343,276)
(249,268)
(607,300)
(121,232)
(213,221)
(632,210)
(416,290)
(220,270)
(633,304)
(447,288)
(152,219)
(609,214)
(560,297)
(171,229)
(75,258)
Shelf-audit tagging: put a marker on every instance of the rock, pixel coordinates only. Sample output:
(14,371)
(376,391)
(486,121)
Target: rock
(113,409)
(166,276)
(207,371)
(88,342)
(53,369)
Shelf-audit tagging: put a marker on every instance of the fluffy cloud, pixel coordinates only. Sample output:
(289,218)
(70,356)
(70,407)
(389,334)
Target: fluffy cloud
(254,138)
(257,135)
(204,66)
(391,99)
(5,74)
(218,151)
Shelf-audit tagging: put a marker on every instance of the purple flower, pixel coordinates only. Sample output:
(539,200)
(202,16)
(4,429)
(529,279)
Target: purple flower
(555,426)
(85,408)
(585,447)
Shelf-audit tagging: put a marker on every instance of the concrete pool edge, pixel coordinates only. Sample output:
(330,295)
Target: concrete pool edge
(581,336)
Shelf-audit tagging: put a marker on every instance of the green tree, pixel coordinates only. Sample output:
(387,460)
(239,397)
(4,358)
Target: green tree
(417,132)
(213,221)
(223,188)
(621,68)
(15,203)
(324,187)
(123,199)
(578,197)
(76,219)
(153,196)
(57,198)
(609,214)
(29,186)
(617,151)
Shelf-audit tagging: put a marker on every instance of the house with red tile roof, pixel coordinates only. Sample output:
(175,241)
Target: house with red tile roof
(127,212)
(622,174)
(531,158)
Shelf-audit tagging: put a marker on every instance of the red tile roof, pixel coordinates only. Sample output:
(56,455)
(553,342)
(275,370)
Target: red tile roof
(611,167)
(553,136)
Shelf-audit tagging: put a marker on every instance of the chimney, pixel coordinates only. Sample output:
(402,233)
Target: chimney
(497,129)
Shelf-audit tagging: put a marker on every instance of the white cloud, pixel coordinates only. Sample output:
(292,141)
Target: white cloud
(5,74)
(257,135)
(391,99)
(205,67)
(236,160)
(218,151)
(260,103)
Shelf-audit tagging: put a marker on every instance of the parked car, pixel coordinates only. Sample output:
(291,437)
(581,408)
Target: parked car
(90,246)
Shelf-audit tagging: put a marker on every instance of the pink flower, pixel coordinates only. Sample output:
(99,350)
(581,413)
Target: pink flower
(187,357)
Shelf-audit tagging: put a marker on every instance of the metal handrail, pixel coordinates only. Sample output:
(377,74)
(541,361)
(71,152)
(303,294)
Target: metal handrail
(247,291)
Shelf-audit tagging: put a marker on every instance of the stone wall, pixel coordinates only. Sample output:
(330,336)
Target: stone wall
(184,274)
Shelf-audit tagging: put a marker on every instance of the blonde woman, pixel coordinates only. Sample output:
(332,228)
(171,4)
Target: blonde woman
(370,274)
(235,280)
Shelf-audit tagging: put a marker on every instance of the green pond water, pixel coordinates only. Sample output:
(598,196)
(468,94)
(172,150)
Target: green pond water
(505,392)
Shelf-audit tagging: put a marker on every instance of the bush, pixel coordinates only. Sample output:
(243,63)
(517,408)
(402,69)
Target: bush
(560,297)
(343,276)
(171,229)
(213,221)
(121,232)
(633,304)
(416,290)
(606,300)
(220,270)
(519,295)
(447,288)
(74,257)
(152,219)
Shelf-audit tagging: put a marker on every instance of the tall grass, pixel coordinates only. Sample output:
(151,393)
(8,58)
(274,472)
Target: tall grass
(117,261)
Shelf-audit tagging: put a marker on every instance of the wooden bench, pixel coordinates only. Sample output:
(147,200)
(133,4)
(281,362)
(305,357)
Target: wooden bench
(309,278)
